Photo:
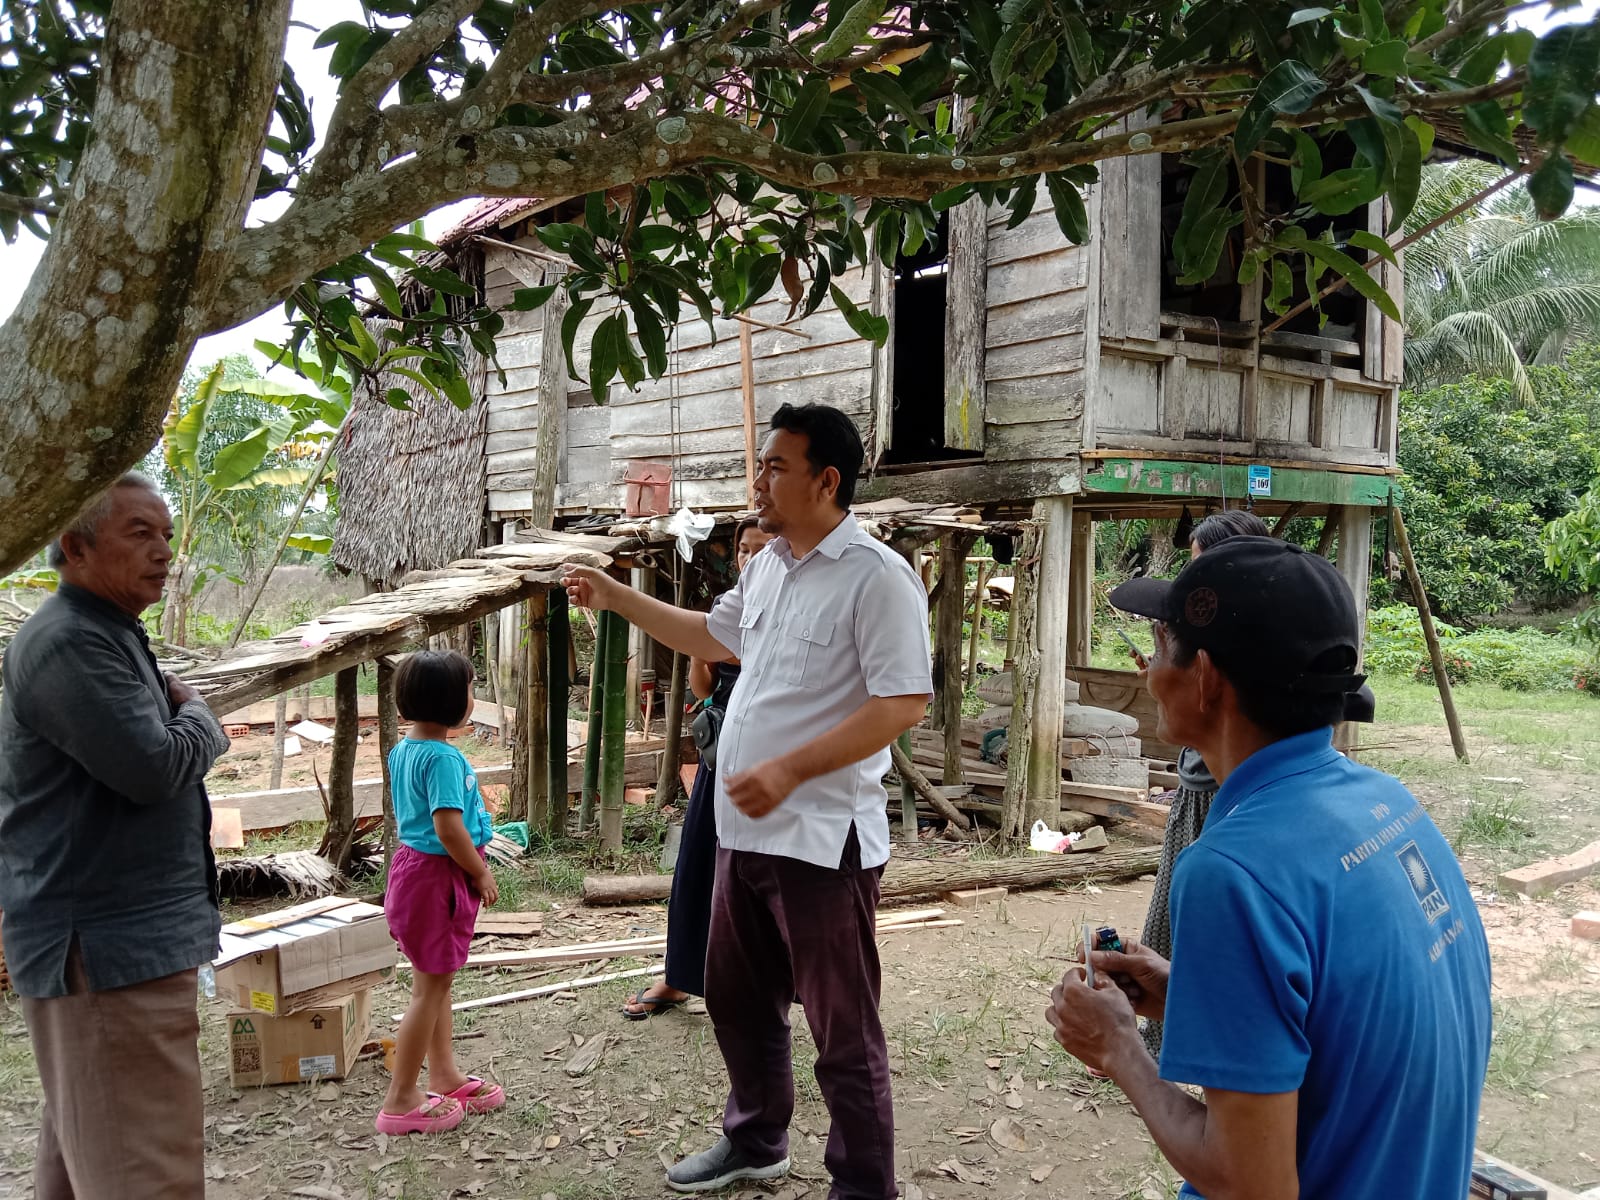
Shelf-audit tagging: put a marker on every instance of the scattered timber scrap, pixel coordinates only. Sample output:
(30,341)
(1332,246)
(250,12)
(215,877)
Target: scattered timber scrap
(1547,876)
(508,924)
(909,877)
(295,875)
(551,989)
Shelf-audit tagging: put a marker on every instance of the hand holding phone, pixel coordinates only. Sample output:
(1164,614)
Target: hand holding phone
(1138,655)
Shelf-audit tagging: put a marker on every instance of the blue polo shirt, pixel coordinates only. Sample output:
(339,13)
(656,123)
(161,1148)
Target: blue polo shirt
(1325,942)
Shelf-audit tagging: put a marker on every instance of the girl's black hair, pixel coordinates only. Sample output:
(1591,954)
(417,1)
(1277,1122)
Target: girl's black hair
(435,687)
(1229,523)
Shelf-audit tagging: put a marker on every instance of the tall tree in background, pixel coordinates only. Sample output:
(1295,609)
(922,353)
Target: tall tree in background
(1497,289)
(138,133)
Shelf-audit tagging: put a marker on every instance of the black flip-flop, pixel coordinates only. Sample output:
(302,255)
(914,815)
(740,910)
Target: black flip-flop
(657,1004)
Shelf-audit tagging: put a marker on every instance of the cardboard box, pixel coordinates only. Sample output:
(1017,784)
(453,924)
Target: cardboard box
(316,1043)
(305,957)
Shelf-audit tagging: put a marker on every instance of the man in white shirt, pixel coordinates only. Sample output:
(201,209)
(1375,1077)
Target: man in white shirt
(832,628)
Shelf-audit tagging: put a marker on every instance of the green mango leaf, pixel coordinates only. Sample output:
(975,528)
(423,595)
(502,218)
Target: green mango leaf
(1287,89)
(558,235)
(365,343)
(889,93)
(1203,250)
(1023,200)
(1373,25)
(865,324)
(416,377)
(1071,215)
(444,281)
(569,332)
(652,337)
(458,391)
(1343,191)
(1307,164)
(1374,243)
(1080,49)
(1386,58)
(398,397)
(1561,80)
(1277,300)
(527,299)
(1308,14)
(1207,190)
(1204,25)
(388,294)
(604,355)
(1406,183)
(1354,273)
(1013,11)
(1551,186)
(850,32)
(1487,128)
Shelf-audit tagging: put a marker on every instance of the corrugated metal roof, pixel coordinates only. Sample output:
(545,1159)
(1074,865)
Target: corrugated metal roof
(490,214)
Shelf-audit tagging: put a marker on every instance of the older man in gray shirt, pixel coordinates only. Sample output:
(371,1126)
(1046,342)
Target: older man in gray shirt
(107,880)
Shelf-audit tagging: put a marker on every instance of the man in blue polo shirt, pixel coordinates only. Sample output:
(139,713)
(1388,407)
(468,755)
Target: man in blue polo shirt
(1329,986)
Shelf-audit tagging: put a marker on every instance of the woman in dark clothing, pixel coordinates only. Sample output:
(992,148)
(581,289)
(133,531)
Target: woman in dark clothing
(689,909)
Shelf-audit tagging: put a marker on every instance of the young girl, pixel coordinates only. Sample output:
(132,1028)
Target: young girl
(437,879)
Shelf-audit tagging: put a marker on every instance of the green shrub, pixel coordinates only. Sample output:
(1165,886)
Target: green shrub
(1519,660)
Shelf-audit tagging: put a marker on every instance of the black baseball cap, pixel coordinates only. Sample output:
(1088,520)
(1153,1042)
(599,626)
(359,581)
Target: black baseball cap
(1267,611)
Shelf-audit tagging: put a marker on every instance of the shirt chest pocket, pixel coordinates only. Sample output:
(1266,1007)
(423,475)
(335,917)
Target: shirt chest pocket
(806,649)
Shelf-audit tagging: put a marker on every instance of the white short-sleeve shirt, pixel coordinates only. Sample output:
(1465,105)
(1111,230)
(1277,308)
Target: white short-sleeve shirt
(817,638)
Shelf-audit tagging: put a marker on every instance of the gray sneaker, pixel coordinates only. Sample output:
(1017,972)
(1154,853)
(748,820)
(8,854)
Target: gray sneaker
(719,1166)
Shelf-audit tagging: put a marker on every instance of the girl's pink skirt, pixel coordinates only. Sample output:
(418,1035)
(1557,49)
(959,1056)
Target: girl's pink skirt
(432,908)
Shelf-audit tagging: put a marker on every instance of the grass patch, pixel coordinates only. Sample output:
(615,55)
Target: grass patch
(1498,823)
(302,835)
(1526,1041)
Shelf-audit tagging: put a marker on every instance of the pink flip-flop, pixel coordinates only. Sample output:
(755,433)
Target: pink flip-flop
(436,1114)
(476,1096)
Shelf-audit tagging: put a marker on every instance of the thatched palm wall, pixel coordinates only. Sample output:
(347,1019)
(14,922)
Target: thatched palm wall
(411,484)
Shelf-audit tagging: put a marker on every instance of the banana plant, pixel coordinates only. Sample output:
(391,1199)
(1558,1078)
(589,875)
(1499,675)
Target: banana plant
(201,496)
(319,403)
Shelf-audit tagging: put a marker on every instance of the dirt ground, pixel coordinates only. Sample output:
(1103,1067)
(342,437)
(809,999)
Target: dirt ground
(986,1104)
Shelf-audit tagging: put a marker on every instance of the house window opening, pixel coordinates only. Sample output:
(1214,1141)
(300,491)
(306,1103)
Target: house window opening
(921,296)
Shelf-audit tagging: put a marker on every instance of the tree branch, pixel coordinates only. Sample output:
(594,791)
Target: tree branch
(28,206)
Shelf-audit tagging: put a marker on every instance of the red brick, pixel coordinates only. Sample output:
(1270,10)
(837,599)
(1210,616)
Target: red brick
(1586,925)
(1547,876)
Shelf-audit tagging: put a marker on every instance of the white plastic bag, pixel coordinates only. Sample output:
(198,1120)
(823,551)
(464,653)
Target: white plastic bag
(1047,841)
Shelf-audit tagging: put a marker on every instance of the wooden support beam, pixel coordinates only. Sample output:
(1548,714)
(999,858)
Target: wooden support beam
(1080,603)
(669,785)
(965,324)
(614,731)
(908,773)
(977,620)
(1022,655)
(1355,564)
(557,697)
(1050,638)
(1441,676)
(280,724)
(550,441)
(947,647)
(747,391)
(533,705)
(342,770)
(589,795)
(388,738)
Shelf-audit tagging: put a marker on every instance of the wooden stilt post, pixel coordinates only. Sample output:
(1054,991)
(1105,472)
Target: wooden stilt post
(1330,527)
(1023,655)
(1080,608)
(533,704)
(668,785)
(1355,564)
(280,725)
(1050,638)
(747,391)
(342,768)
(977,621)
(1441,676)
(591,746)
(388,737)
(613,742)
(558,621)
(947,647)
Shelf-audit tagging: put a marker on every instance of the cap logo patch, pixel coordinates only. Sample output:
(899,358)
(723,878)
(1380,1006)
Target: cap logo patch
(1200,607)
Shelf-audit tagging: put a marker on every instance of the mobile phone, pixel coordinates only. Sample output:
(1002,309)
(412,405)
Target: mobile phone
(1089,944)
(1138,654)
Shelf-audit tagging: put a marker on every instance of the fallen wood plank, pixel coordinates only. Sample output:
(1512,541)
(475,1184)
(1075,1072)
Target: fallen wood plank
(903,878)
(565,954)
(1552,873)
(915,925)
(1128,804)
(550,989)
(901,916)
(508,924)
(972,897)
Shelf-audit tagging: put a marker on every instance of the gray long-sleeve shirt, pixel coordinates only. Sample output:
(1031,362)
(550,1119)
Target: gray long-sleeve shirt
(105,828)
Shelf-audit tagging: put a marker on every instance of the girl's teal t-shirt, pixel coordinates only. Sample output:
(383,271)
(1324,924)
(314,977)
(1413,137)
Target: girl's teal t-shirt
(426,776)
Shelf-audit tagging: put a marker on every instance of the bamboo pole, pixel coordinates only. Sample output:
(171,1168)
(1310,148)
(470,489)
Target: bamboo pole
(535,702)
(668,784)
(280,722)
(388,737)
(613,740)
(557,695)
(977,621)
(591,747)
(947,650)
(1435,652)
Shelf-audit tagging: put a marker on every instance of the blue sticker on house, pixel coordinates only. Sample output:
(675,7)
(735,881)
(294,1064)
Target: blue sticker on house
(1261,481)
